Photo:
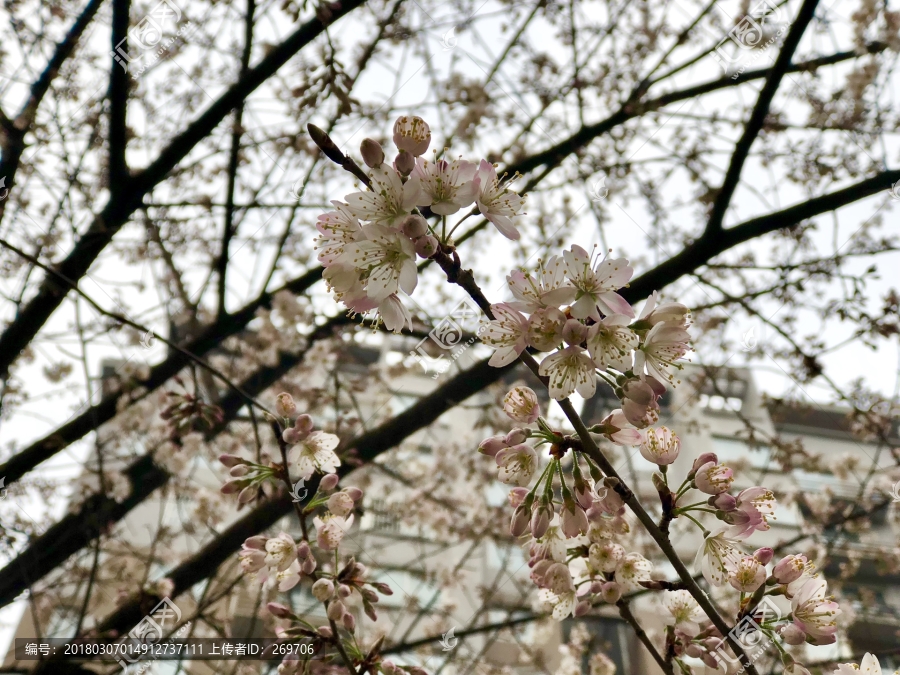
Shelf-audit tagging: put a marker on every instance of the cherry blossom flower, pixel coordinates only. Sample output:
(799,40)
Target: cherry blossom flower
(574,521)
(500,206)
(755,505)
(394,314)
(717,558)
(444,185)
(521,405)
(289,577)
(569,369)
(713,478)
(337,228)
(814,613)
(559,591)
(660,446)
(606,557)
(869,666)
(548,290)
(672,313)
(506,334)
(330,530)
(253,555)
(616,428)
(633,569)
(340,504)
(552,545)
(545,328)
(789,568)
(388,202)
(611,343)
(662,347)
(387,259)
(685,611)
(491,446)
(315,453)
(412,134)
(748,575)
(596,285)
(518,464)
(280,552)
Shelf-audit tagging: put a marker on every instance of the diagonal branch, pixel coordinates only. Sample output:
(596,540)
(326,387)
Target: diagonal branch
(758,116)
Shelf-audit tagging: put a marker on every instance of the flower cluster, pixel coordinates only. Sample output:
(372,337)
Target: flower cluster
(572,305)
(369,243)
(577,543)
(284,563)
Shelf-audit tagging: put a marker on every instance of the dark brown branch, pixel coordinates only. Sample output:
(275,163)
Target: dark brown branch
(758,116)
(629,618)
(118,103)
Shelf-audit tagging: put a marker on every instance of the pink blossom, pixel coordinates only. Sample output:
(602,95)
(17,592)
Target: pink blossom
(713,478)
(506,334)
(521,405)
(500,206)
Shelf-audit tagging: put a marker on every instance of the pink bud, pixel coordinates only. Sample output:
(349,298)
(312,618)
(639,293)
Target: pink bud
(574,332)
(231,460)
(516,436)
(596,587)
(349,621)
(247,494)
(704,459)
(354,492)
(793,635)
(520,519)
(257,542)
(491,446)
(302,551)
(764,555)
(414,226)
(404,163)
(371,152)
(344,591)
(335,610)
(325,632)
(582,608)
(517,496)
(329,482)
(308,566)
(540,520)
(693,650)
(239,470)
(412,134)
(279,611)
(233,486)
(789,569)
(723,502)
(426,246)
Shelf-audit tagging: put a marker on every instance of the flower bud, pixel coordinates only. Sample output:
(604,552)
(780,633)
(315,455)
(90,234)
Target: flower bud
(540,519)
(344,591)
(239,470)
(412,134)
(516,436)
(693,650)
(414,226)
(713,478)
(231,460)
(302,551)
(371,152)
(233,486)
(336,610)
(638,391)
(354,493)
(308,566)
(323,589)
(329,482)
(426,246)
(521,405)
(705,458)
(723,502)
(404,163)
(792,635)
(582,608)
(764,555)
(349,621)
(520,519)
(279,611)
(284,405)
(247,494)
(611,592)
(596,587)
(325,632)
(789,569)
(257,542)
